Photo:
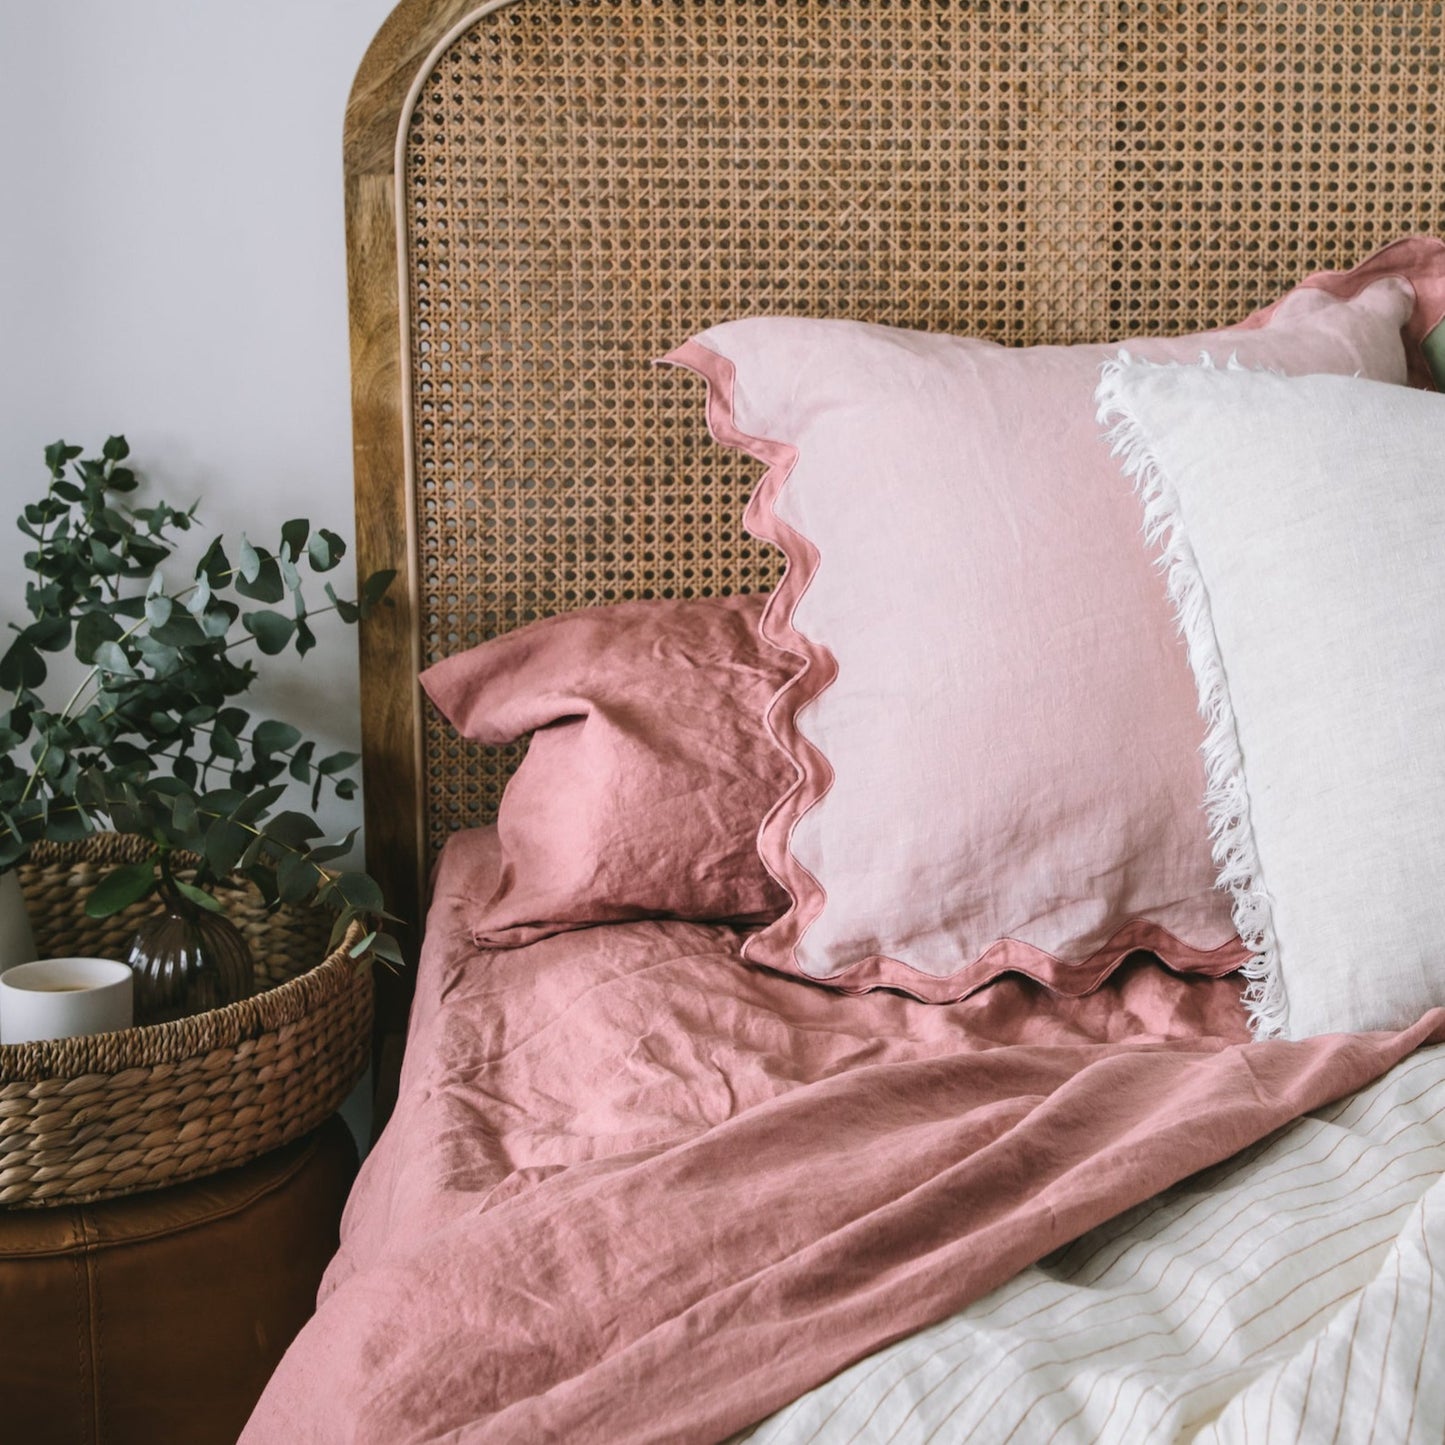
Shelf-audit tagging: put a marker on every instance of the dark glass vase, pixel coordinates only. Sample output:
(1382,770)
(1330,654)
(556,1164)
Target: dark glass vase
(187,959)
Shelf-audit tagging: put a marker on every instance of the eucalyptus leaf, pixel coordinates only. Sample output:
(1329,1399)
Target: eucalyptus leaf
(224,744)
(216,621)
(329,852)
(177,629)
(255,851)
(385,947)
(110,657)
(1433,347)
(120,889)
(374,588)
(293,830)
(338,927)
(271,630)
(214,566)
(274,737)
(56,456)
(224,843)
(258,803)
(156,655)
(198,896)
(123,752)
(296,878)
(104,560)
(50,634)
(248,561)
(360,891)
(347,611)
(21,667)
(294,534)
(144,555)
(184,814)
(266,585)
(290,577)
(67,825)
(325,549)
(221,802)
(93,629)
(265,879)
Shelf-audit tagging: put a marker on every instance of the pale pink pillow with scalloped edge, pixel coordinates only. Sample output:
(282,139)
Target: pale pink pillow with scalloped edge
(995,728)
(649,770)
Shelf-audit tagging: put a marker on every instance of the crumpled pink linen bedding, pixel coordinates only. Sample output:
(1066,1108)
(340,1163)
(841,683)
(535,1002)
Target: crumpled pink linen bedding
(636,1190)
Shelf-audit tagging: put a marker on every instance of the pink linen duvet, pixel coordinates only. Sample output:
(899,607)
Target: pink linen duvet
(635,1190)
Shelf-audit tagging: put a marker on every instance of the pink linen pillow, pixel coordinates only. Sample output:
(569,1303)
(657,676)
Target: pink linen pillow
(995,730)
(649,770)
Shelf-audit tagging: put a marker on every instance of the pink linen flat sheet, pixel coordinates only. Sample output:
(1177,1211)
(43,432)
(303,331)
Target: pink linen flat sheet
(635,1190)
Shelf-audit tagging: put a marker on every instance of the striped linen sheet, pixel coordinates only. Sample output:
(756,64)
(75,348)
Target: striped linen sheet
(1295,1293)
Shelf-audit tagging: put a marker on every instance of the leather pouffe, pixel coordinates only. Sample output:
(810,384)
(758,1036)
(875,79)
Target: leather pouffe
(160,1317)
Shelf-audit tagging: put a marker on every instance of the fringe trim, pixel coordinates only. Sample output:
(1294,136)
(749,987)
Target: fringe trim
(1226,798)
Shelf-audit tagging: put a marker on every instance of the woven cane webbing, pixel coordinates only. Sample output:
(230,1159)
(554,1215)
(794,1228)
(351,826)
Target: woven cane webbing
(587,182)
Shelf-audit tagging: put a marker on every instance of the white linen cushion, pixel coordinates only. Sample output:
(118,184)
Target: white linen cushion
(1303,521)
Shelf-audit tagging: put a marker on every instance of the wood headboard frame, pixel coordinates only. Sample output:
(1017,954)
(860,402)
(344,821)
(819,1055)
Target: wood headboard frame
(376,114)
(541,195)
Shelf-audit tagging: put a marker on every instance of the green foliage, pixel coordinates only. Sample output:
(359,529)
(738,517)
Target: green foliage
(153,740)
(1433,347)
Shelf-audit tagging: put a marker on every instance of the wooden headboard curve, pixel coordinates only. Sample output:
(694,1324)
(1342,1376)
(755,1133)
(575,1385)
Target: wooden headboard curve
(543,195)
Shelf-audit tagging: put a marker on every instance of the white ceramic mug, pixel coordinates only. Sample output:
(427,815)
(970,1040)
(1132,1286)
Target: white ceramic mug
(59,998)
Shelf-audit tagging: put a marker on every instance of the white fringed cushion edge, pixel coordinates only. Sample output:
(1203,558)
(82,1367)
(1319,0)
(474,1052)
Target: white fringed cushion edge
(1226,799)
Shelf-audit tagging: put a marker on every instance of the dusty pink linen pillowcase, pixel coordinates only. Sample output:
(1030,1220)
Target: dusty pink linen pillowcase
(649,770)
(995,728)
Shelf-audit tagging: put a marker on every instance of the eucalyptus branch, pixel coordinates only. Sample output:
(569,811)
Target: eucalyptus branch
(66,713)
(162,669)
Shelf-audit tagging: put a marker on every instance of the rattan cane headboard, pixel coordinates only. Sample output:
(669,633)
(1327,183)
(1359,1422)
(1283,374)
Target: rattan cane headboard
(542,195)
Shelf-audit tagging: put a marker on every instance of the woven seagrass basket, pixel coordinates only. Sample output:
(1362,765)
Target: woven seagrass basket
(113,1114)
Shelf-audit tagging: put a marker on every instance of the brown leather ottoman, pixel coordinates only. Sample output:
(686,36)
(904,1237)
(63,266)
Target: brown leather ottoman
(159,1318)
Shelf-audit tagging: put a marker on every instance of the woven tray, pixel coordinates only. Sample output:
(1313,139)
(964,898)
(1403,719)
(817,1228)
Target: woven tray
(113,1114)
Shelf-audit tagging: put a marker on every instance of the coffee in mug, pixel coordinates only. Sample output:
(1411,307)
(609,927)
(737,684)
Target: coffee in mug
(62,998)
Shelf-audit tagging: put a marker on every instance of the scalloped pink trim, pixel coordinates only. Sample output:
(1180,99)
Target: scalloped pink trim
(1013,955)
(775,946)
(815,775)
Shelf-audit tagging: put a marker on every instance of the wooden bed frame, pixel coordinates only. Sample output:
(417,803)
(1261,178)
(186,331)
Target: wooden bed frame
(544,195)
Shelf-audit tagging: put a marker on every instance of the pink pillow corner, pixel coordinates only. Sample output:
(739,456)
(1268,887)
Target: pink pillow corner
(1214,949)
(649,769)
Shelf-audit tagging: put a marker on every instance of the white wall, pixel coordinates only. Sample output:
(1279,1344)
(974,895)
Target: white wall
(172,266)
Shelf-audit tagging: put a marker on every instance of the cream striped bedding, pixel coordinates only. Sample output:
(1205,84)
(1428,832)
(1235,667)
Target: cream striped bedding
(1295,1293)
